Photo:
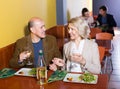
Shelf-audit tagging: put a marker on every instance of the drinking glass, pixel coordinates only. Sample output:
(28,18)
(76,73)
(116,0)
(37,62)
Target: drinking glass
(41,73)
(74,66)
(28,52)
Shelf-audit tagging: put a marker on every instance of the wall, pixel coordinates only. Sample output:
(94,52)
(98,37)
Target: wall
(61,10)
(112,5)
(74,7)
(14,15)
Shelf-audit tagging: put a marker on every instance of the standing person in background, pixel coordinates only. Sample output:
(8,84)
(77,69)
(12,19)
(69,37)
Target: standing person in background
(36,40)
(89,19)
(106,21)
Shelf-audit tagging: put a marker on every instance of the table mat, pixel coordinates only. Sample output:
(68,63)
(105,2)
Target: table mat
(57,75)
(6,72)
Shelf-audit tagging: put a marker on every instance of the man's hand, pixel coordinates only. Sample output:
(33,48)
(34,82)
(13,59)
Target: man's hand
(24,55)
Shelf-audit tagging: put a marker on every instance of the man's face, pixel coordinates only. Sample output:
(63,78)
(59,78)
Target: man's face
(102,12)
(39,29)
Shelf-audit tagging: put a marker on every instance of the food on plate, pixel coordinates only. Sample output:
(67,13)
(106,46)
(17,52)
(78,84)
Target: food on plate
(87,77)
(21,72)
(70,79)
(32,71)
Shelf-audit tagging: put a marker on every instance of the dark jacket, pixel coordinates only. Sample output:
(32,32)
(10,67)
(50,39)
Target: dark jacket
(50,50)
(110,22)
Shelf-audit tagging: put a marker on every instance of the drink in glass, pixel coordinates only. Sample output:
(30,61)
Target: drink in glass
(42,75)
(27,50)
(41,69)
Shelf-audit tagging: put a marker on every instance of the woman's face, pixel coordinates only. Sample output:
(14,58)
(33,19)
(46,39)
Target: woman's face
(73,32)
(86,14)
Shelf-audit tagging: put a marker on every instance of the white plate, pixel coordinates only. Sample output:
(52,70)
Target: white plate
(25,72)
(76,79)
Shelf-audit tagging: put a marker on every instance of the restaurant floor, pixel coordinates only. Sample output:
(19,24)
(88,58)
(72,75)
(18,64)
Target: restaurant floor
(114,76)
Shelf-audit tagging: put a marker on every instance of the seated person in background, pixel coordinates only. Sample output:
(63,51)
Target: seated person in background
(35,41)
(79,53)
(87,17)
(106,21)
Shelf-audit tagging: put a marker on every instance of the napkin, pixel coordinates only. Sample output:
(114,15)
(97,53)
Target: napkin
(6,72)
(57,75)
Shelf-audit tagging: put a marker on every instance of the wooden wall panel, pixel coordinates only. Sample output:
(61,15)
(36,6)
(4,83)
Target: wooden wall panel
(6,54)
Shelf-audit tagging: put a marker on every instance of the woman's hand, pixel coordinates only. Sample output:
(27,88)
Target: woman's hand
(53,67)
(78,58)
(58,62)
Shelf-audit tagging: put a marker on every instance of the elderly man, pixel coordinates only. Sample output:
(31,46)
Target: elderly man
(37,40)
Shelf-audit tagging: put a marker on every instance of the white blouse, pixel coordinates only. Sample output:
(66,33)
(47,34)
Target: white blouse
(74,66)
(89,21)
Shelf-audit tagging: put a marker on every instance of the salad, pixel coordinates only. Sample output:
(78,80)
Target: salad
(32,71)
(87,77)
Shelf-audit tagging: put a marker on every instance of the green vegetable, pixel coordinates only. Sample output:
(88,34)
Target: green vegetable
(32,72)
(87,77)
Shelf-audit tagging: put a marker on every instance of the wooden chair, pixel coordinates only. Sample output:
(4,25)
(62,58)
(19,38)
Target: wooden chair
(61,34)
(93,32)
(95,17)
(58,32)
(102,55)
(104,40)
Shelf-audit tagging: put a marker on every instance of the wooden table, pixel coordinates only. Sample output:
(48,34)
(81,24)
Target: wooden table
(21,82)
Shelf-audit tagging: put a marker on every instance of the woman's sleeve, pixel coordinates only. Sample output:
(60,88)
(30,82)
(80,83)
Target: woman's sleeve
(94,65)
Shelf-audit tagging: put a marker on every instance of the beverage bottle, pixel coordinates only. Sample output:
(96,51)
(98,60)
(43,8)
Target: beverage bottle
(41,69)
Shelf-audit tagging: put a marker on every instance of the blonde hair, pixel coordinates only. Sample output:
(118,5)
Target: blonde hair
(81,25)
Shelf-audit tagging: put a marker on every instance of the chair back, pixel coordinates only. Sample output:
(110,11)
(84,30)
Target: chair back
(94,31)
(101,53)
(57,31)
(104,36)
(104,39)
(66,32)
(95,17)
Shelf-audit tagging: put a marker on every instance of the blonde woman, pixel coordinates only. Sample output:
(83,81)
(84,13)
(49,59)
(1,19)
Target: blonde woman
(79,53)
